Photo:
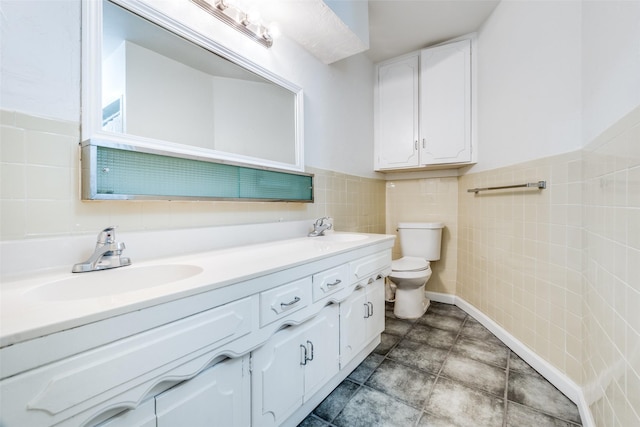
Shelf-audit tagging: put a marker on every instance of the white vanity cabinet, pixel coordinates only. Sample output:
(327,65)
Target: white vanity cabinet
(262,351)
(361,319)
(423,109)
(73,390)
(293,365)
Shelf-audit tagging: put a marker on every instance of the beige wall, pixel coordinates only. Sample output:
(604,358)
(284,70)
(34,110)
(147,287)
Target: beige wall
(611,291)
(39,197)
(428,200)
(557,268)
(519,257)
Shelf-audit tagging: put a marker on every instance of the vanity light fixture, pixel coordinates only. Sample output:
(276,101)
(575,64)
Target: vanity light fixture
(247,23)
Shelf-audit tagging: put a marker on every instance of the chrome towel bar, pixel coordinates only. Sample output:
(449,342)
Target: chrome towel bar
(539,185)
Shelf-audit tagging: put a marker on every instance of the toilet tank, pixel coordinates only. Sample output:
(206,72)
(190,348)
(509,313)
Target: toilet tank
(421,239)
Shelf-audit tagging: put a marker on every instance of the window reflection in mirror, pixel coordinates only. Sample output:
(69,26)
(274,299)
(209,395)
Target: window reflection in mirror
(161,86)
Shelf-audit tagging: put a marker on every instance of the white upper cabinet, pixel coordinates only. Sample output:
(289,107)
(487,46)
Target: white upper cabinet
(445,103)
(397,130)
(423,109)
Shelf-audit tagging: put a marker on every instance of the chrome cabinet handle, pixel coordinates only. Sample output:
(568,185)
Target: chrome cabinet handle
(368,309)
(310,344)
(336,283)
(303,355)
(416,145)
(424,143)
(290,303)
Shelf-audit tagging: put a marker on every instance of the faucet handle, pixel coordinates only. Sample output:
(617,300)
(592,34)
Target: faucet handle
(321,221)
(107,236)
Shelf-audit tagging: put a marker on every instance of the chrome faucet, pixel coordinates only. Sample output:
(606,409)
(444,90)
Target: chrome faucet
(320,226)
(106,255)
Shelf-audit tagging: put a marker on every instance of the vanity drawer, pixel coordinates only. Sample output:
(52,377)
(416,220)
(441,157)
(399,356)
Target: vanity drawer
(117,374)
(370,267)
(279,302)
(329,281)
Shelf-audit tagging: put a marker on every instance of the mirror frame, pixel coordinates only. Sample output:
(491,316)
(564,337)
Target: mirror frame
(92,133)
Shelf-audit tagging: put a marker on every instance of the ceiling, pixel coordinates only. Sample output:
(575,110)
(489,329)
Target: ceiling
(401,26)
(395,26)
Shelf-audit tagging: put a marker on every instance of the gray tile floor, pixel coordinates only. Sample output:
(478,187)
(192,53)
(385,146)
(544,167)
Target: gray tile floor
(444,369)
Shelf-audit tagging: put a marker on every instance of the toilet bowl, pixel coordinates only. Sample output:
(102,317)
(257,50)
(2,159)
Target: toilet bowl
(410,275)
(420,244)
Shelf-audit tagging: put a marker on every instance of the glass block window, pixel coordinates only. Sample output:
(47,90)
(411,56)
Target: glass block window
(124,174)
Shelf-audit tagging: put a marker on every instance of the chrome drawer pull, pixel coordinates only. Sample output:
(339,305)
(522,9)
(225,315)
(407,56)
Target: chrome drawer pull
(303,355)
(336,283)
(290,303)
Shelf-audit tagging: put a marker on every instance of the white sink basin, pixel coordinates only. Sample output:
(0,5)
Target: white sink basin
(112,282)
(343,237)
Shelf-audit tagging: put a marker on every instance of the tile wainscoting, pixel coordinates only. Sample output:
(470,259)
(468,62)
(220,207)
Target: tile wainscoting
(557,268)
(39,197)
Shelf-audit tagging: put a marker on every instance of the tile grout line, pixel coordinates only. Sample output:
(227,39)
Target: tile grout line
(437,375)
(506,391)
(415,322)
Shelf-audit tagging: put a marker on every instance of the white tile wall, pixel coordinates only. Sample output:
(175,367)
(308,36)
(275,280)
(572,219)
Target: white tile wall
(611,299)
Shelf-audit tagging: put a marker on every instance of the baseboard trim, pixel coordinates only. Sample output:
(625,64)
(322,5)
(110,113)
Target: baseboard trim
(440,297)
(563,383)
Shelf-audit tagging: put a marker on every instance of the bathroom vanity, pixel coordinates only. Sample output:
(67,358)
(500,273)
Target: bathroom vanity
(250,336)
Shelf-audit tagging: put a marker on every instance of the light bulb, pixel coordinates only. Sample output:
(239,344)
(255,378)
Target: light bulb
(253,16)
(273,30)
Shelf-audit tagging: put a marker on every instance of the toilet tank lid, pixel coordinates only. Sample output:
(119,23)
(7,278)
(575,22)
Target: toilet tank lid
(430,225)
(408,264)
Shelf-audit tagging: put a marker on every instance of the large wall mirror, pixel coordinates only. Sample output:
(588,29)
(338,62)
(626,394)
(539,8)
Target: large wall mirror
(153,83)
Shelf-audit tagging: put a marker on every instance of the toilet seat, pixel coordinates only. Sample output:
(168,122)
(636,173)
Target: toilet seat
(409,264)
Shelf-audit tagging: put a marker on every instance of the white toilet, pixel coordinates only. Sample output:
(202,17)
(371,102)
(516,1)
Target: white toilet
(420,244)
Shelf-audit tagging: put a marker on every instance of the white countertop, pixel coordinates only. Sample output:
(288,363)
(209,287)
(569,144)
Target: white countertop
(25,315)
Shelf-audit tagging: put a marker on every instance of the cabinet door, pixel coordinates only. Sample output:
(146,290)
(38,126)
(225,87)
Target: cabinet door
(361,319)
(219,396)
(397,114)
(277,377)
(375,296)
(321,337)
(445,103)
(292,366)
(353,324)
